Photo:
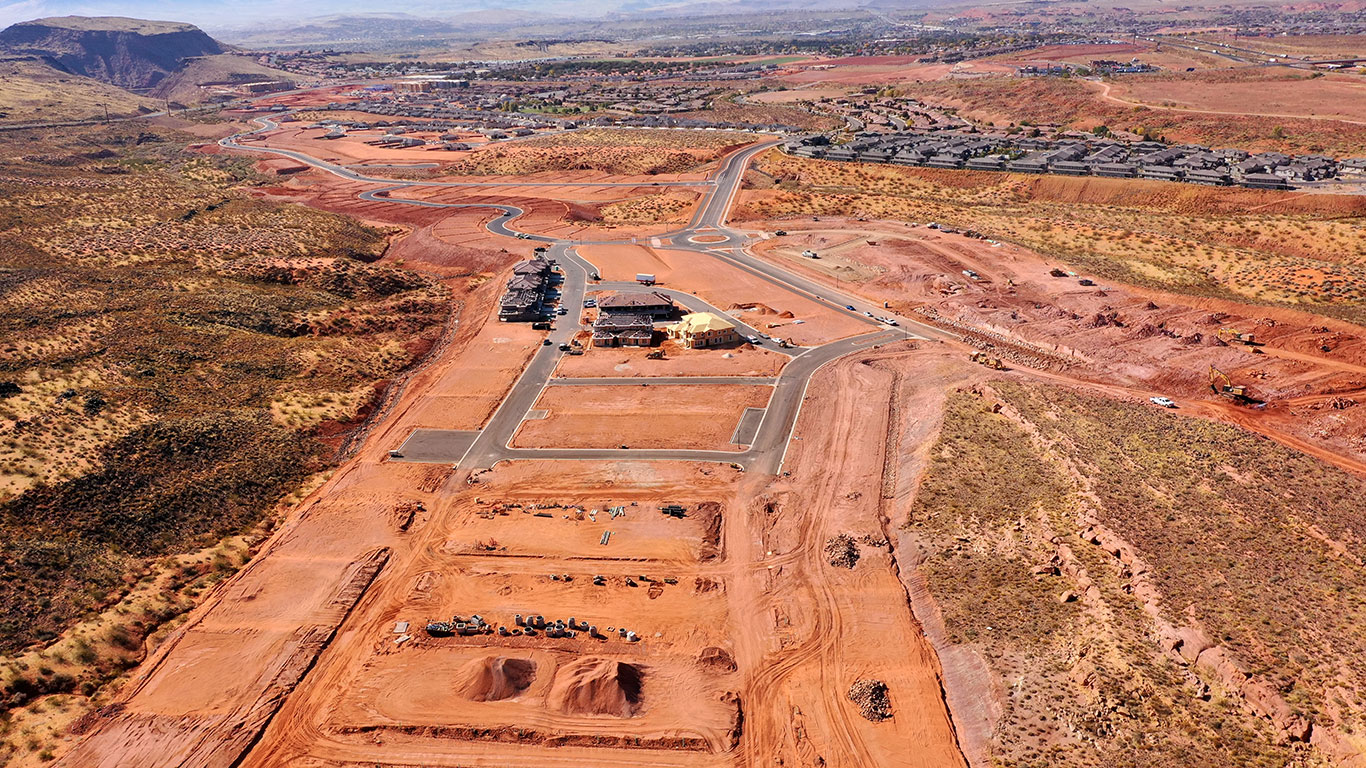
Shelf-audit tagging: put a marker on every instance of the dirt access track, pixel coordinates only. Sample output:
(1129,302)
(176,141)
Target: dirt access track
(718,634)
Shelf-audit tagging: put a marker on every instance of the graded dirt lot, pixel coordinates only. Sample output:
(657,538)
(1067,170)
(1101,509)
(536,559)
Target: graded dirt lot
(1283,93)
(695,416)
(742,360)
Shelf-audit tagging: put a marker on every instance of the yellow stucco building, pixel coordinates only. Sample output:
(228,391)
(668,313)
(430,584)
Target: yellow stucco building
(703,329)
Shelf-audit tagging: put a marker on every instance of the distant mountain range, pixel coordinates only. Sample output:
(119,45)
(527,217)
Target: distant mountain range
(515,18)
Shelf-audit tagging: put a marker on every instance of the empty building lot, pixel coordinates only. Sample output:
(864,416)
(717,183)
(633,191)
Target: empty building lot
(684,416)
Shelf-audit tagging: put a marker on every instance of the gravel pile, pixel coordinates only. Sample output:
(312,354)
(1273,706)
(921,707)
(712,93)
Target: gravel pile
(841,551)
(871,698)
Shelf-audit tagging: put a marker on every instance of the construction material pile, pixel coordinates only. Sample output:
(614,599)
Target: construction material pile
(871,698)
(593,686)
(841,551)
(494,678)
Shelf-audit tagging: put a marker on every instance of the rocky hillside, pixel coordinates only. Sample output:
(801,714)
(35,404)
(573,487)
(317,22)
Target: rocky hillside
(130,53)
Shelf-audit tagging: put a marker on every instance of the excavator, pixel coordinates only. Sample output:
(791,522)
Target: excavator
(1222,385)
(1236,336)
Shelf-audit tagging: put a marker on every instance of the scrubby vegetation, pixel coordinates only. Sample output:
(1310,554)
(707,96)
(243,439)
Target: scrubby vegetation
(666,207)
(1060,623)
(1250,539)
(633,152)
(175,358)
(1246,245)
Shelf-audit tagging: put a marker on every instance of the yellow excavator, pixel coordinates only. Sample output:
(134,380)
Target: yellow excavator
(1232,335)
(1221,384)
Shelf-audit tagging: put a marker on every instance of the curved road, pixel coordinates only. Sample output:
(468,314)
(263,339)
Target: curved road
(765,455)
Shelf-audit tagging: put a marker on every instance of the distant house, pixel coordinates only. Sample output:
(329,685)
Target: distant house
(988,163)
(1116,170)
(703,329)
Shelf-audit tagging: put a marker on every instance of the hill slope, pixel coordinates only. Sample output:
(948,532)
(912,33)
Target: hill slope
(183,85)
(31,91)
(129,53)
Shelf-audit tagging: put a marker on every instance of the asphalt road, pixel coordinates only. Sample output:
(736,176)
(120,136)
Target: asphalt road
(491,445)
(660,381)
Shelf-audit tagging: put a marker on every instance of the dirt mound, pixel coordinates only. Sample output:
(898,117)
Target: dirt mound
(597,687)
(752,306)
(716,659)
(494,678)
(709,513)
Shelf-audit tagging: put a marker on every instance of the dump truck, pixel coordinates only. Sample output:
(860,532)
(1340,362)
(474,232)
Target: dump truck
(1234,336)
(657,354)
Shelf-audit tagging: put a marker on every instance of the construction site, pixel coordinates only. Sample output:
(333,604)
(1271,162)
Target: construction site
(554,550)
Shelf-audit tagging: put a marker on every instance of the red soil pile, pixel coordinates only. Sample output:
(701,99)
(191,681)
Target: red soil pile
(597,687)
(494,678)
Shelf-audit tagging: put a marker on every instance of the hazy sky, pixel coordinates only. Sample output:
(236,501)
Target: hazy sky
(223,13)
